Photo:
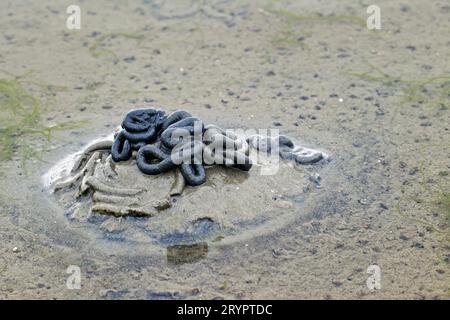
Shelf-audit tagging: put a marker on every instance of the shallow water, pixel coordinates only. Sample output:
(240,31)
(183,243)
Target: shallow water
(377,101)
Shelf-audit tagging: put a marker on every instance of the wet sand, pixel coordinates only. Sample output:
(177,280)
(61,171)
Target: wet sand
(376,100)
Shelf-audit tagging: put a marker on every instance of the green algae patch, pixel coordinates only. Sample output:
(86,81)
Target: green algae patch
(21,120)
(293,17)
(432,196)
(98,48)
(444,202)
(20,113)
(289,36)
(434,91)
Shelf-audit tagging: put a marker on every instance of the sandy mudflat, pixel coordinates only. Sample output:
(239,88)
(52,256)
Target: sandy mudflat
(377,101)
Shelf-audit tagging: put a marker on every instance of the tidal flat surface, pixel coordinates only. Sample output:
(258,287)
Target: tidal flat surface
(376,100)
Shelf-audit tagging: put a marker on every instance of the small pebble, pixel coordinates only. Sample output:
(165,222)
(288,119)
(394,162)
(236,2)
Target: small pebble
(315,178)
(383,206)
(129,59)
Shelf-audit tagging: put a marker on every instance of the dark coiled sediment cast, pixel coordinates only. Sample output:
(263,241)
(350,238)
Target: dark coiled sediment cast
(146,160)
(285,148)
(177,140)
(174,117)
(144,136)
(143,125)
(137,146)
(121,148)
(225,148)
(194,174)
(180,131)
(140,127)
(141,120)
